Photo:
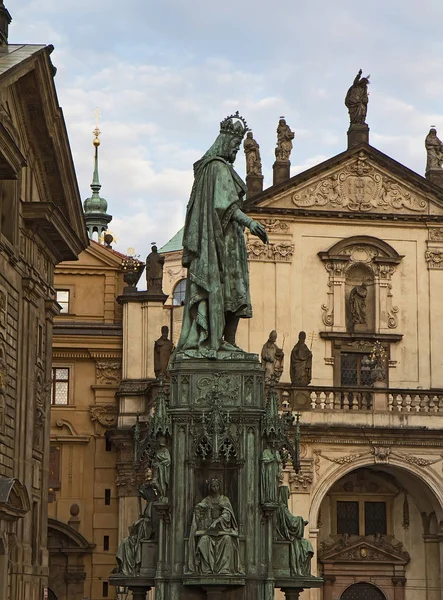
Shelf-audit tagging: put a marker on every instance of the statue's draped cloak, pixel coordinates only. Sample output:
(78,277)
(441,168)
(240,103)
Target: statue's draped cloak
(214,252)
(215,552)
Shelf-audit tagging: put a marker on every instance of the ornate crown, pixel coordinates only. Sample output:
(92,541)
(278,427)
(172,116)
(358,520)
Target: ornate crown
(236,128)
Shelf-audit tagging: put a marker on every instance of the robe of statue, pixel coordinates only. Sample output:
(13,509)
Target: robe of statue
(356,100)
(129,552)
(270,475)
(163,349)
(214,252)
(162,467)
(214,551)
(357,303)
(291,528)
(301,364)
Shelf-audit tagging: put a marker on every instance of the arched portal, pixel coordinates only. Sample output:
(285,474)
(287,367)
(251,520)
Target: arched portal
(363,591)
(378,525)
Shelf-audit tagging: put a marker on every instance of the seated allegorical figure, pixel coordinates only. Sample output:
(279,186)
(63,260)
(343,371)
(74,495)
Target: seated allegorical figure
(291,528)
(213,539)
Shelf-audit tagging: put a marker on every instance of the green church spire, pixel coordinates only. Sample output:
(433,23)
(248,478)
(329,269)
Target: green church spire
(96,207)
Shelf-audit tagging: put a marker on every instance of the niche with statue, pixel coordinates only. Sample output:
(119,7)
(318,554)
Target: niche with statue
(360,299)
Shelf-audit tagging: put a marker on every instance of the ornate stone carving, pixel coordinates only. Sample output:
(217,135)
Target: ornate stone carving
(300,481)
(381,454)
(436,234)
(434,258)
(383,548)
(105,416)
(359,187)
(341,460)
(108,371)
(356,100)
(3,308)
(275,226)
(278,252)
(284,141)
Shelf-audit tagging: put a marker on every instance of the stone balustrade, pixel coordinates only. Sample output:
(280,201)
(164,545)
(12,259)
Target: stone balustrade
(415,401)
(322,398)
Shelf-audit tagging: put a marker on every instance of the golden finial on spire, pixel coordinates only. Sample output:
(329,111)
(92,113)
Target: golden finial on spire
(96,131)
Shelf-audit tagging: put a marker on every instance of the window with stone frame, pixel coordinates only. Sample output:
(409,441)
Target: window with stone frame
(356,370)
(8,209)
(178,295)
(63,298)
(60,386)
(361,517)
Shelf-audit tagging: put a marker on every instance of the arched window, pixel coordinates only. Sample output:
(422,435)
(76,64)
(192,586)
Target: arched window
(178,295)
(363,591)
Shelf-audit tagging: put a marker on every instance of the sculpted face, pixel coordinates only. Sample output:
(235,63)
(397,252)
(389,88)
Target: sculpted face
(273,336)
(215,486)
(233,148)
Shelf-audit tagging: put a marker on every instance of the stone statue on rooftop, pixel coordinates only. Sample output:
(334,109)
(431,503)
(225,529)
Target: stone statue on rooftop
(214,250)
(434,150)
(163,348)
(357,98)
(284,140)
(272,359)
(154,271)
(252,152)
(301,362)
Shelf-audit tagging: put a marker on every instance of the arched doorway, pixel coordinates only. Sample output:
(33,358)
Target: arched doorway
(362,591)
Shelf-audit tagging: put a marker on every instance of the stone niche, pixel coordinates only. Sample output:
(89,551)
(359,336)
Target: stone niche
(349,264)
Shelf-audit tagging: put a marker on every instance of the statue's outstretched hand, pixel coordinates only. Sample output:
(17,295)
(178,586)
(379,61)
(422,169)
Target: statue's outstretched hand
(257,229)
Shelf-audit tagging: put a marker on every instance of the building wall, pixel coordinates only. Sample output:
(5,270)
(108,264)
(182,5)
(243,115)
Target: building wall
(88,340)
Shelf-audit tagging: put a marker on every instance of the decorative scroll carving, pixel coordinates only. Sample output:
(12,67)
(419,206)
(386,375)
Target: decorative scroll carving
(275,225)
(105,416)
(436,234)
(383,548)
(108,371)
(341,460)
(300,481)
(359,188)
(434,258)
(278,252)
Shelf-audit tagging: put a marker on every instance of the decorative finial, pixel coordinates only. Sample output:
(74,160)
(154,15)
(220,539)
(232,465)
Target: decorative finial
(96,131)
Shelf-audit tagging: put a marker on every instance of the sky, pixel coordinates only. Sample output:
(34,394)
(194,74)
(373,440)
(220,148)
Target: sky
(164,73)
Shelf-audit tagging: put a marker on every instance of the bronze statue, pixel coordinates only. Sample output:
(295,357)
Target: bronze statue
(272,359)
(214,249)
(213,539)
(129,554)
(162,466)
(163,348)
(284,140)
(154,271)
(301,362)
(434,150)
(291,528)
(357,303)
(271,469)
(252,152)
(357,98)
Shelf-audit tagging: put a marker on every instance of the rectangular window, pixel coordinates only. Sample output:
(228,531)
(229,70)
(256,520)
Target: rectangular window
(356,369)
(106,542)
(60,386)
(107,497)
(347,517)
(62,297)
(375,518)
(105,589)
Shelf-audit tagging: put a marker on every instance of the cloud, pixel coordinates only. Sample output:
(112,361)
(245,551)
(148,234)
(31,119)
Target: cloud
(165,73)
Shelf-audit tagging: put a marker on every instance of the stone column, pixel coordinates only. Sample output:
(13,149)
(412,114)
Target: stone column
(291,594)
(254,185)
(214,593)
(139,593)
(328,587)
(357,134)
(281,171)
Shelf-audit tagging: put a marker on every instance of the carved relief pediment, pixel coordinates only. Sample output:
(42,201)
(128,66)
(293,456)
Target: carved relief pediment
(359,185)
(370,548)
